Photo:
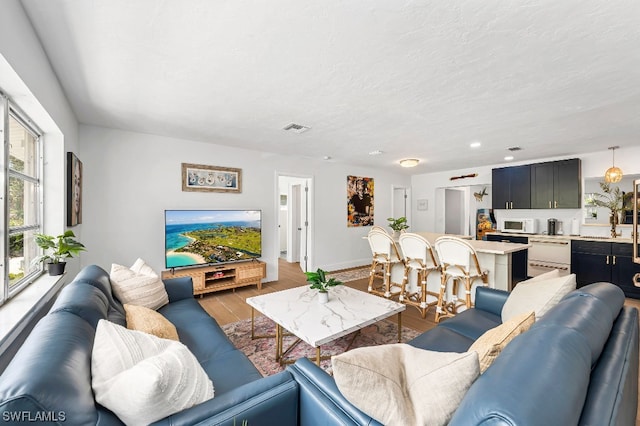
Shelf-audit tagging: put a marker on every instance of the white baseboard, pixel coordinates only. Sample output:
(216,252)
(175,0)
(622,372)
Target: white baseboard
(347,265)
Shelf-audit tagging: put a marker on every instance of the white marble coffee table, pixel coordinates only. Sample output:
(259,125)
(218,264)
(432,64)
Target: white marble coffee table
(297,311)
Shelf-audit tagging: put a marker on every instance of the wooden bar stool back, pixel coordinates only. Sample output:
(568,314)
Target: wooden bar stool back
(385,258)
(419,259)
(459,264)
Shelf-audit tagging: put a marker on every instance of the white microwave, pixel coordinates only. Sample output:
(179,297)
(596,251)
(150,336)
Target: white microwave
(522,226)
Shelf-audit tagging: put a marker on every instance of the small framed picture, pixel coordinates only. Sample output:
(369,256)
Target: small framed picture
(203,178)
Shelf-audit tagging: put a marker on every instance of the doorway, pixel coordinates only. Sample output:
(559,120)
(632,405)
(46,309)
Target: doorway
(456,212)
(401,202)
(295,219)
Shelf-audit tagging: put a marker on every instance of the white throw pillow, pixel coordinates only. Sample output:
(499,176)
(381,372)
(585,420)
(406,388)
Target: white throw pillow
(402,385)
(143,378)
(537,295)
(138,285)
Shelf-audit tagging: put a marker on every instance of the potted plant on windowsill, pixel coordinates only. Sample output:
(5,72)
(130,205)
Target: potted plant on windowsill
(320,282)
(398,225)
(59,248)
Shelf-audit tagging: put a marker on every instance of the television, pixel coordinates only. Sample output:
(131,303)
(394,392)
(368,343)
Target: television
(204,237)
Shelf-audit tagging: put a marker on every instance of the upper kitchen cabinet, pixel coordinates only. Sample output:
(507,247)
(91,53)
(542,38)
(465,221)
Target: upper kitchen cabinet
(556,185)
(511,187)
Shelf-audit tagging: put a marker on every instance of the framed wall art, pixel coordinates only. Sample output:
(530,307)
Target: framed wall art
(202,178)
(74,190)
(359,201)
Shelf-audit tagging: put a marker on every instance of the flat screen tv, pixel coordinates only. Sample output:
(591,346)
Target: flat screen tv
(203,237)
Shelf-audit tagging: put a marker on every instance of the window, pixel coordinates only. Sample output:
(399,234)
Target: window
(22,211)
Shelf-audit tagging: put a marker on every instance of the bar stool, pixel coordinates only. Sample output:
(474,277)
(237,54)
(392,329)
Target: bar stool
(385,258)
(459,262)
(419,257)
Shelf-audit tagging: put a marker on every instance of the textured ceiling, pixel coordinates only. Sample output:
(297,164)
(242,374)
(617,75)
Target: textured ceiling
(418,79)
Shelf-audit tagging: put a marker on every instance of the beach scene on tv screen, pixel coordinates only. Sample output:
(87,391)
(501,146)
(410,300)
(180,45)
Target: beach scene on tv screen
(200,237)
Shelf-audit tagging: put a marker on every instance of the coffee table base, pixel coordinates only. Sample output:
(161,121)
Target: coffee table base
(281,332)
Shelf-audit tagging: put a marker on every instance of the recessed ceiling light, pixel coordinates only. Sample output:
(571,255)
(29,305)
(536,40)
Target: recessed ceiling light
(326,157)
(508,157)
(409,162)
(475,144)
(376,152)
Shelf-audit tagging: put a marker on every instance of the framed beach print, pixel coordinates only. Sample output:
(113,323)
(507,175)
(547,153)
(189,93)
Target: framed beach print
(74,190)
(202,178)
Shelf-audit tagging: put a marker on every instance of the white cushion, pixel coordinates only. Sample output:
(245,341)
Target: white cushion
(538,295)
(542,277)
(402,385)
(138,285)
(143,378)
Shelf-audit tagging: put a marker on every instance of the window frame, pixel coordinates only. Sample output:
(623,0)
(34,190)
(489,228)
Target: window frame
(9,109)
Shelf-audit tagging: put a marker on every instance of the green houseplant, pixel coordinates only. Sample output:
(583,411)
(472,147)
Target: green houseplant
(57,249)
(320,282)
(612,199)
(399,224)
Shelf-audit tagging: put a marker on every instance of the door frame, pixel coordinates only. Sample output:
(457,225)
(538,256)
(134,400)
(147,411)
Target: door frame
(308,199)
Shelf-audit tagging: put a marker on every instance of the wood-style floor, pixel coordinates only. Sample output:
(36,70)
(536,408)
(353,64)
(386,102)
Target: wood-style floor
(229,306)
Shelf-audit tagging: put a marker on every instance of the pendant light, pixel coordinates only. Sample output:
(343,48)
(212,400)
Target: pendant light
(613,173)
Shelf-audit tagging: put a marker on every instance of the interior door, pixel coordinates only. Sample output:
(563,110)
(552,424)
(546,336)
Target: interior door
(293,243)
(304,227)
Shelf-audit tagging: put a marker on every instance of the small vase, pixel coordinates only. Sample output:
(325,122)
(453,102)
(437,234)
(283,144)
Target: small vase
(56,268)
(323,297)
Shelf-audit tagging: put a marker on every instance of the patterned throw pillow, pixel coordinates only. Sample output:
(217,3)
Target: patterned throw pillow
(493,341)
(138,285)
(149,321)
(143,378)
(402,385)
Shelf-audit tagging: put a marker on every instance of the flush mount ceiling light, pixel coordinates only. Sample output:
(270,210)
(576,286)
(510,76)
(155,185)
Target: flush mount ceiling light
(409,162)
(613,173)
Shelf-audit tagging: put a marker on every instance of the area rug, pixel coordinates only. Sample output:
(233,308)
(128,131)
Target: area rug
(261,352)
(351,274)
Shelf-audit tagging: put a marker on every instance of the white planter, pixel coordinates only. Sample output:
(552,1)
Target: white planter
(323,298)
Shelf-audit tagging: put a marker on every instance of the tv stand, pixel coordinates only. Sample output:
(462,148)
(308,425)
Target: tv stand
(207,279)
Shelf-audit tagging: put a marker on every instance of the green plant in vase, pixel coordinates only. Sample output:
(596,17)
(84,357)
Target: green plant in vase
(57,249)
(320,282)
(612,199)
(398,225)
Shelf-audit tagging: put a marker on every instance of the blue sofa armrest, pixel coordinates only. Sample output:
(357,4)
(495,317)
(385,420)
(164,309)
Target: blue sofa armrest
(268,401)
(321,403)
(490,299)
(178,288)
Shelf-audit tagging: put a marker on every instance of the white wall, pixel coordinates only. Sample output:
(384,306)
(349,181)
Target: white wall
(27,78)
(131,178)
(593,165)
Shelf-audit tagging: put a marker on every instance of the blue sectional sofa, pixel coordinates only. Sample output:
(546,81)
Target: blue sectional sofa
(577,365)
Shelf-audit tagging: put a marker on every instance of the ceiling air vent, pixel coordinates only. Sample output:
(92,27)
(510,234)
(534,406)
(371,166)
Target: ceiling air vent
(514,148)
(298,128)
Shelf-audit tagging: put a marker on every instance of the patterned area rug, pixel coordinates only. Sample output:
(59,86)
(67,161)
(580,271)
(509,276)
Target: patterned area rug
(262,351)
(351,274)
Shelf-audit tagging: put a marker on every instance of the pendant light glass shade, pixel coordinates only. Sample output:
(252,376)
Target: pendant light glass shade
(613,173)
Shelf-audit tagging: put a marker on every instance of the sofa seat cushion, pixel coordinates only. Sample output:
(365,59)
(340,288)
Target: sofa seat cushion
(493,341)
(538,295)
(472,323)
(138,285)
(149,321)
(402,385)
(223,363)
(441,339)
(143,378)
